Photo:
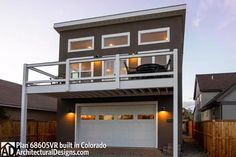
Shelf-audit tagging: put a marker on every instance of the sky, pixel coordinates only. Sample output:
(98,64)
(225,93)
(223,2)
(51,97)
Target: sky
(27,34)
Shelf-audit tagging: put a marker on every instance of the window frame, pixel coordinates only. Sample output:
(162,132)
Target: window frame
(115,35)
(153,31)
(148,114)
(79,71)
(92,115)
(99,117)
(119,117)
(80,39)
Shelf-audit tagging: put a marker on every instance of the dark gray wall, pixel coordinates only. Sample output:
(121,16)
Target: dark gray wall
(65,123)
(176,37)
(165,121)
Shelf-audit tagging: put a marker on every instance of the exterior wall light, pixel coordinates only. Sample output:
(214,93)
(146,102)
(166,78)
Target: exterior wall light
(70,115)
(163,108)
(70,111)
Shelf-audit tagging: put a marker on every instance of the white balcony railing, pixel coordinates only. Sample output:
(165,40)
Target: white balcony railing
(59,78)
(101,69)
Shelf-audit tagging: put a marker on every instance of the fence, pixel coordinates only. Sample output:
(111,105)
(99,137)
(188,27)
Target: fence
(218,138)
(37,131)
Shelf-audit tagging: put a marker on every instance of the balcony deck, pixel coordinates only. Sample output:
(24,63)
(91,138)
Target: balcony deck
(117,83)
(112,82)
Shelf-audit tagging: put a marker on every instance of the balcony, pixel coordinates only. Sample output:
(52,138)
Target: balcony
(119,75)
(103,77)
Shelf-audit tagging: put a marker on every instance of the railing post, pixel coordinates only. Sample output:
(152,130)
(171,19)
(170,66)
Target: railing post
(117,71)
(175,104)
(24,97)
(67,75)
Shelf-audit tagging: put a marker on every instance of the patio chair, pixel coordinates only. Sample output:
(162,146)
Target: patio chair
(130,70)
(167,66)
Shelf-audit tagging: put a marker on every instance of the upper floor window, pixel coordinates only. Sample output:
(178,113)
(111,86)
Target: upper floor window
(81,44)
(154,36)
(115,40)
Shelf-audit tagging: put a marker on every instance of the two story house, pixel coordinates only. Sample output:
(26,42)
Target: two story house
(215,97)
(118,79)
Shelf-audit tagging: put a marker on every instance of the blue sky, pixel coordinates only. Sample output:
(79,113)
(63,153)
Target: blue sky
(27,34)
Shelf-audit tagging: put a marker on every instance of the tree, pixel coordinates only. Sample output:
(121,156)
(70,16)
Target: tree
(187,114)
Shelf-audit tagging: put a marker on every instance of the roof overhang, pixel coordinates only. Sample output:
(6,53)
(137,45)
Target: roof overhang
(218,98)
(18,106)
(202,90)
(121,18)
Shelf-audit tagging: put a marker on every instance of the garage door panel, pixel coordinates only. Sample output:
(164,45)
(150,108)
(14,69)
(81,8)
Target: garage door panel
(118,133)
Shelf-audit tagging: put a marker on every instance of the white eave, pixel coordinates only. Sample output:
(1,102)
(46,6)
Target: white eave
(122,15)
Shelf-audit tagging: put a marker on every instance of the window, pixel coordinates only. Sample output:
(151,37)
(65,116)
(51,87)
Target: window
(97,68)
(160,59)
(133,62)
(74,70)
(86,70)
(109,67)
(125,117)
(87,117)
(81,44)
(154,36)
(81,70)
(115,40)
(106,117)
(146,60)
(146,116)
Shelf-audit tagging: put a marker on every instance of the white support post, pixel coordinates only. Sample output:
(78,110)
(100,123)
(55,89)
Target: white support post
(67,77)
(175,104)
(24,97)
(117,71)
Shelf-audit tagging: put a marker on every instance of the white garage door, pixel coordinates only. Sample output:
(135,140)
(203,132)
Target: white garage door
(122,125)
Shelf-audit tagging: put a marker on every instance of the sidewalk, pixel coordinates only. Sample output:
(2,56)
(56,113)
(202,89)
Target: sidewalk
(192,149)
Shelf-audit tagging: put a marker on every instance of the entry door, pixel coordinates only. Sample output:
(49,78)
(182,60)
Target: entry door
(118,126)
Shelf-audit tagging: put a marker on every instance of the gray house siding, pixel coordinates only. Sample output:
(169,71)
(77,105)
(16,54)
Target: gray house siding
(40,107)
(38,115)
(231,96)
(229,105)
(228,112)
(205,97)
(202,99)
(216,112)
(197,113)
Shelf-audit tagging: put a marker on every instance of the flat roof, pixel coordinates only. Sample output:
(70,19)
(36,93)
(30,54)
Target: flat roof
(67,24)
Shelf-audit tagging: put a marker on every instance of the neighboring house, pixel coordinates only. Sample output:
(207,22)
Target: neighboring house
(40,108)
(121,75)
(215,97)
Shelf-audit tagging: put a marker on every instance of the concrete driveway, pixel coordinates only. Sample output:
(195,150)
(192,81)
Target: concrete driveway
(190,148)
(127,152)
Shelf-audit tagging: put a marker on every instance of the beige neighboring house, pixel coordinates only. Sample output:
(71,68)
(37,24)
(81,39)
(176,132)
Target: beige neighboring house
(215,97)
(40,108)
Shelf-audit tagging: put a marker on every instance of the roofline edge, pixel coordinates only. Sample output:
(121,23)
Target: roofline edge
(121,15)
